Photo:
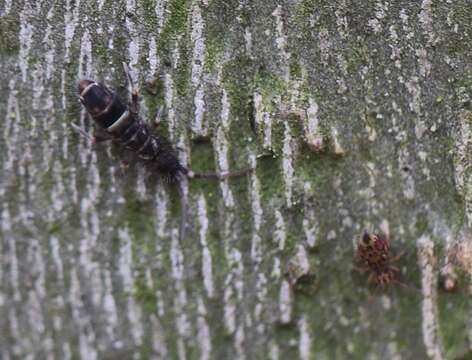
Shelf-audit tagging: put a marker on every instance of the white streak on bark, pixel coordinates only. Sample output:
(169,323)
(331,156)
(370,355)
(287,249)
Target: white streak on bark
(462,163)
(325,45)
(133,46)
(7,7)
(248,41)
(427,264)
(15,332)
(408,181)
(125,270)
(85,57)
(203,331)
(280,234)
(299,264)
(256,206)
(180,302)
(287,164)
(221,150)
(229,316)
(313,135)
(160,12)
(426,19)
(375,23)
(234,289)
(263,120)
(25,38)
(423,62)
(206,255)
(12,255)
(274,352)
(285,302)
(239,343)
(125,261)
(86,333)
(161,219)
(71,20)
(158,339)
(57,258)
(152,59)
(310,226)
(281,40)
(57,191)
(337,147)
(38,268)
(50,46)
(341,20)
(198,59)
(136,321)
(169,101)
(304,343)
(414,90)
(35,318)
(10,132)
(261,294)
(109,305)
(140,184)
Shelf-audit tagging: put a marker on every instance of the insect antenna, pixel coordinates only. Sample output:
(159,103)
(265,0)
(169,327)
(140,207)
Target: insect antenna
(218,176)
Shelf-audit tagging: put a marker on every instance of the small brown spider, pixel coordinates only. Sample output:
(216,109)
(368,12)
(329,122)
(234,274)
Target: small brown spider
(373,250)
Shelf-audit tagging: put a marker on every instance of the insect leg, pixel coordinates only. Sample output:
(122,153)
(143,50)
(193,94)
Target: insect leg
(98,136)
(360,270)
(81,132)
(133,91)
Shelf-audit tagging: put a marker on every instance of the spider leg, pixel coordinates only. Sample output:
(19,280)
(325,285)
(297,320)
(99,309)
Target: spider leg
(396,257)
(371,279)
(394,268)
(133,91)
(361,270)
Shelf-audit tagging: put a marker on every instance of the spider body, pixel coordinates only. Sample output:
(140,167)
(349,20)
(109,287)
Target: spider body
(373,250)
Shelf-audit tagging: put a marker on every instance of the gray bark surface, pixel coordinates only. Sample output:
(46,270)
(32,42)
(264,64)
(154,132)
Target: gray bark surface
(355,115)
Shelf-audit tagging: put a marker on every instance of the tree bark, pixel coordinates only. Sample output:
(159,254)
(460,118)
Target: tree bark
(355,115)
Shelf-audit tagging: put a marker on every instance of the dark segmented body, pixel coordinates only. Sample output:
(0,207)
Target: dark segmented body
(124,126)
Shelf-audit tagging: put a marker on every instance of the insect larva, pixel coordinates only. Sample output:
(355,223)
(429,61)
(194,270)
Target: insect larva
(122,124)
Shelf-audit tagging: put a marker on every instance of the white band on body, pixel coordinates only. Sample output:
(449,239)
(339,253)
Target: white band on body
(118,122)
(87,88)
